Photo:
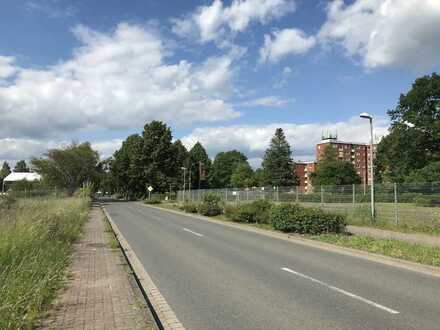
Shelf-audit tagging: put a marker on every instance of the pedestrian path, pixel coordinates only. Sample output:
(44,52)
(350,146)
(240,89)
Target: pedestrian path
(101,293)
(408,237)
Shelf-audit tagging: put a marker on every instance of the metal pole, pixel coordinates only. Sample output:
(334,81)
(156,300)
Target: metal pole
(322,196)
(297,194)
(396,212)
(354,195)
(183,194)
(372,170)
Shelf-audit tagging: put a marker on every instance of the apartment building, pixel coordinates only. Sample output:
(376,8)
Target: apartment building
(303,171)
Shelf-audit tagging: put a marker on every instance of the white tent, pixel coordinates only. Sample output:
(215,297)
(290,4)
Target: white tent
(20,176)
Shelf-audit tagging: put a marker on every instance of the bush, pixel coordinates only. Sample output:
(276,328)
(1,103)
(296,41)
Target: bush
(297,219)
(210,206)
(6,201)
(255,212)
(153,200)
(427,201)
(189,207)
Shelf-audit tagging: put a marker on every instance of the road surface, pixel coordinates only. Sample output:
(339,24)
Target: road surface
(217,277)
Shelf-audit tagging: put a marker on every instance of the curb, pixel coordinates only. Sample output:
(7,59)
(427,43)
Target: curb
(162,312)
(295,239)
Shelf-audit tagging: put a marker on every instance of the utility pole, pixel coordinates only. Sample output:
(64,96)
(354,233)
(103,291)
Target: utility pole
(184,174)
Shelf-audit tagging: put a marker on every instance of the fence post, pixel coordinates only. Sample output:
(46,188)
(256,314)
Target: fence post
(247,194)
(278,195)
(354,194)
(297,194)
(396,212)
(322,195)
(226,194)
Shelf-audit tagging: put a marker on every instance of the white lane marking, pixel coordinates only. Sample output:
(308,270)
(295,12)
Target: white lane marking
(192,232)
(349,294)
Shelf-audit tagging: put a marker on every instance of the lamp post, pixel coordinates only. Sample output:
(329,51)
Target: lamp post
(184,173)
(366,115)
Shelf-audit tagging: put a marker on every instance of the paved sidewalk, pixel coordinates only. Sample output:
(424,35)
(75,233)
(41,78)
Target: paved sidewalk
(408,237)
(101,293)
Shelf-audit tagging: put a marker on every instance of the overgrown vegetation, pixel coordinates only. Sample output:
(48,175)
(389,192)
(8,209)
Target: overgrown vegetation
(255,212)
(35,243)
(153,200)
(397,249)
(210,205)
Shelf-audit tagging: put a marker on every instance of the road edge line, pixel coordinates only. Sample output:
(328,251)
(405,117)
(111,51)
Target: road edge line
(292,238)
(162,312)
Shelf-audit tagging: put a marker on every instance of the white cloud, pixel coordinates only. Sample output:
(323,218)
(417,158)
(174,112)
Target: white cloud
(268,101)
(285,42)
(211,22)
(50,8)
(7,67)
(254,139)
(106,148)
(118,80)
(386,32)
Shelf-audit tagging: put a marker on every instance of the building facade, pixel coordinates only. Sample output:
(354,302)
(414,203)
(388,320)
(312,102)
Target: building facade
(303,171)
(356,153)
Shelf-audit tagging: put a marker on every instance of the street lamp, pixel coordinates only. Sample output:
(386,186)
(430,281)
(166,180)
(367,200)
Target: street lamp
(366,115)
(184,172)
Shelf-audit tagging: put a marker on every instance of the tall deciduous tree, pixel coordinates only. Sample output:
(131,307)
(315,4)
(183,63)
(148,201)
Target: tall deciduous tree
(181,159)
(21,166)
(332,171)
(158,156)
(199,166)
(277,164)
(223,166)
(243,176)
(414,139)
(69,167)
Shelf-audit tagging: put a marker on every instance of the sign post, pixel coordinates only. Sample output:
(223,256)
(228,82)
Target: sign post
(150,189)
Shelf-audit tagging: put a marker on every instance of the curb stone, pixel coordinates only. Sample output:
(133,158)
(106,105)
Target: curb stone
(164,315)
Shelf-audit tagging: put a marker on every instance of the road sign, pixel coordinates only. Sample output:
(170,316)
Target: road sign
(150,188)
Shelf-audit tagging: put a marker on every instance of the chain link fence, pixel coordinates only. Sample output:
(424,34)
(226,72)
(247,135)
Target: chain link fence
(408,206)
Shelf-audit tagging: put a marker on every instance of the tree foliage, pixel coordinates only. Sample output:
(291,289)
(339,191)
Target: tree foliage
(181,156)
(277,164)
(199,166)
(21,166)
(4,172)
(332,171)
(414,139)
(429,173)
(243,176)
(69,167)
(223,166)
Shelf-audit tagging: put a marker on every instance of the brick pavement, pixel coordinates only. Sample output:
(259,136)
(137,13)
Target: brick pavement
(101,293)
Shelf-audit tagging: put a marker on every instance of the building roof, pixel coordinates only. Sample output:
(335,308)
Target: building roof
(342,142)
(19,176)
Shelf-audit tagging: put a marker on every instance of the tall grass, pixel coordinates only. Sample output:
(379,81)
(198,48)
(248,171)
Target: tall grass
(36,236)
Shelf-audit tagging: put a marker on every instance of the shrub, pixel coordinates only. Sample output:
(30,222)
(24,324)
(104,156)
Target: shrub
(210,205)
(297,219)
(255,212)
(189,207)
(153,200)
(6,201)
(427,201)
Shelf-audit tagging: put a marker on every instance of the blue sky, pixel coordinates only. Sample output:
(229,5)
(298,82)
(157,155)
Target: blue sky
(226,73)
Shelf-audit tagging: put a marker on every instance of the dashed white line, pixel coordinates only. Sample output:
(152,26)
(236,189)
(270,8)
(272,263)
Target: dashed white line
(349,294)
(192,232)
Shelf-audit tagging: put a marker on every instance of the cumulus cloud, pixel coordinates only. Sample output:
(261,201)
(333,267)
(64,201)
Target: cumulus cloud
(254,139)
(268,101)
(211,22)
(285,42)
(7,67)
(385,32)
(113,81)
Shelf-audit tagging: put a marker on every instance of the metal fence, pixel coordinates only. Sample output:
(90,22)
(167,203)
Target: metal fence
(412,206)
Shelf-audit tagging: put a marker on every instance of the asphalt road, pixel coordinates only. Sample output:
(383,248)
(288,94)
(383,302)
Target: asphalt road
(216,277)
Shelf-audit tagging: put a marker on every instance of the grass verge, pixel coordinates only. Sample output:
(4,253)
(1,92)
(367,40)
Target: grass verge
(35,245)
(422,254)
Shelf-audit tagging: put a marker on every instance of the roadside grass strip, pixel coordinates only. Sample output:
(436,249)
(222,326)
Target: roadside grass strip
(35,246)
(419,253)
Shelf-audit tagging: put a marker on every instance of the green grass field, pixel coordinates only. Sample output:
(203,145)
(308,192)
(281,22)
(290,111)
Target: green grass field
(35,245)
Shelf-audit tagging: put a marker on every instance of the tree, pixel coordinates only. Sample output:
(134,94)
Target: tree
(158,157)
(277,164)
(69,167)
(126,168)
(414,139)
(332,171)
(429,173)
(21,166)
(181,159)
(223,166)
(259,177)
(243,176)
(199,166)
(4,172)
